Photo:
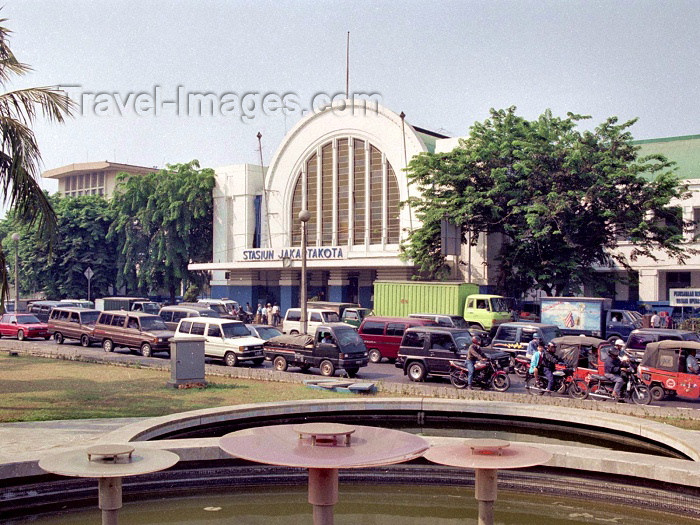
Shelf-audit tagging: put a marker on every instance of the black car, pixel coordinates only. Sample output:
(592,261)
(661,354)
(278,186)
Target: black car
(428,350)
(640,338)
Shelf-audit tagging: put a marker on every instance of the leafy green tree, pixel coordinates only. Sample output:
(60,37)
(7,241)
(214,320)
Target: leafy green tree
(163,222)
(19,155)
(560,199)
(82,227)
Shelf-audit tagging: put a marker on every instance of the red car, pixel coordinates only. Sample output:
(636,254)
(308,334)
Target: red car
(23,326)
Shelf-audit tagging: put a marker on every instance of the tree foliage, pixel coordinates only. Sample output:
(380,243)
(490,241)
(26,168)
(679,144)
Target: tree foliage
(19,153)
(560,198)
(163,222)
(80,242)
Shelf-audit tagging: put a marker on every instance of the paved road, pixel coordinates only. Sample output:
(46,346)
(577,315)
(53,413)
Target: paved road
(384,371)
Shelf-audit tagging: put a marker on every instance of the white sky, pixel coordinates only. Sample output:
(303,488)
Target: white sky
(443,63)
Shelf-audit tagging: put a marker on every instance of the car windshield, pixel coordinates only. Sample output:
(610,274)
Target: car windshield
(691,337)
(550,333)
(89,317)
(209,313)
(347,336)
(266,333)
(235,330)
(330,317)
(27,319)
(151,308)
(220,308)
(499,304)
(462,339)
(152,323)
(459,322)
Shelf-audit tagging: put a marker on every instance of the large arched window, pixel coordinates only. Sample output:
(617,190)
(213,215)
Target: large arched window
(352,194)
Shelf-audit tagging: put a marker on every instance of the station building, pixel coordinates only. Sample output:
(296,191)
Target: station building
(345,165)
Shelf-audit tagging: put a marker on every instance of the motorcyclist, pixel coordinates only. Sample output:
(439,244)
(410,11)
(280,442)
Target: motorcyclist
(474,353)
(535,361)
(613,370)
(548,363)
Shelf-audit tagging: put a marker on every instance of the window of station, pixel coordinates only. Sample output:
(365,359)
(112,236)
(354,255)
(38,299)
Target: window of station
(352,194)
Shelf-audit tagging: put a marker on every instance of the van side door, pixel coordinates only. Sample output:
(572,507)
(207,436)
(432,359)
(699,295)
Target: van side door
(442,350)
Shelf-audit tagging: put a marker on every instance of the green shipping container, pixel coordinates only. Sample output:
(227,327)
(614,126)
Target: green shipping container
(400,298)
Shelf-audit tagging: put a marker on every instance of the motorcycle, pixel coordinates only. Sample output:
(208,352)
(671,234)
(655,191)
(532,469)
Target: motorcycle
(521,365)
(600,387)
(487,374)
(564,384)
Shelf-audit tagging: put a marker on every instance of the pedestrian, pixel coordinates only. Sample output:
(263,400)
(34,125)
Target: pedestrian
(275,315)
(258,314)
(263,315)
(655,320)
(268,319)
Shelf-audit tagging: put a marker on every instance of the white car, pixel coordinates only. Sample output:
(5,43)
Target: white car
(314,316)
(224,339)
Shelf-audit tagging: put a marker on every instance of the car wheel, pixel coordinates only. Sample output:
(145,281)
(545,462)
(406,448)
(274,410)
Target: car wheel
(146,350)
(657,392)
(230,359)
(20,335)
(375,356)
(416,371)
(85,341)
(280,364)
(352,372)
(108,345)
(58,337)
(327,368)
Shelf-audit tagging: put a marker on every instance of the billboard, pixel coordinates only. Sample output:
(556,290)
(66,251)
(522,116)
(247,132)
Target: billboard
(572,315)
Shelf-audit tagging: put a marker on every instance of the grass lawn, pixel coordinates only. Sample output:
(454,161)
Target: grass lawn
(36,389)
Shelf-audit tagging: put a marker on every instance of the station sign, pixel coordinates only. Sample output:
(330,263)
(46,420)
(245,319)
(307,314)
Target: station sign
(684,297)
(313,253)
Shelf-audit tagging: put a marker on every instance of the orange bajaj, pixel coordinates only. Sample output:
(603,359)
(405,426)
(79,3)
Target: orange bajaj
(663,369)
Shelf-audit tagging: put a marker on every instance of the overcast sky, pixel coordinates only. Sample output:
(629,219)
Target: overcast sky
(443,63)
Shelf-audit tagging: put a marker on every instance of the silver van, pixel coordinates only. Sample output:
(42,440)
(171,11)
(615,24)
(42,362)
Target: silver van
(171,315)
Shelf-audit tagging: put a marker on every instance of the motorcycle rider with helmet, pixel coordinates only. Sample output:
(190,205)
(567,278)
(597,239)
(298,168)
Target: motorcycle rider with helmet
(473,355)
(613,370)
(548,363)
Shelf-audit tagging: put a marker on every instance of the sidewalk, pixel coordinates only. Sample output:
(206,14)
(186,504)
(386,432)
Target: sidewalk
(27,440)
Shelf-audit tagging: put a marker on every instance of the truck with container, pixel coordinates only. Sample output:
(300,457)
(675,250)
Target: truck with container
(591,316)
(132,304)
(480,311)
(333,346)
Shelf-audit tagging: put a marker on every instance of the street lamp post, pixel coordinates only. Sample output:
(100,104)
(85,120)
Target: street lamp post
(15,238)
(304,217)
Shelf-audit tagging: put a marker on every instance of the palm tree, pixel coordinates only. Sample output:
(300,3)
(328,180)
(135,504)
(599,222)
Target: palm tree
(20,158)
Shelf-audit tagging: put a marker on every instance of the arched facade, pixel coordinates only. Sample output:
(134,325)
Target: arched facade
(345,165)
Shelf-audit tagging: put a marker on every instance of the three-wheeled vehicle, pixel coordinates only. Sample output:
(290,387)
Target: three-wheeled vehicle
(663,369)
(582,354)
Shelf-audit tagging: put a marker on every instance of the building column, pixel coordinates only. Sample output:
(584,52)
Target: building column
(338,286)
(648,285)
(289,289)
(365,286)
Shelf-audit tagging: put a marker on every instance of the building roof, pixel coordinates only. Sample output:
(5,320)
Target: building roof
(86,167)
(684,151)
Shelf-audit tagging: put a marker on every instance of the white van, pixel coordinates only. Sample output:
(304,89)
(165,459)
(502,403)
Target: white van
(224,339)
(314,317)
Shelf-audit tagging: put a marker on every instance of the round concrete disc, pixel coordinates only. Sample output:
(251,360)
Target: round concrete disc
(513,456)
(75,463)
(281,445)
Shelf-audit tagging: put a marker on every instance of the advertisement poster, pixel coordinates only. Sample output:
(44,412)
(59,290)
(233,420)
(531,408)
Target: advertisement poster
(572,315)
